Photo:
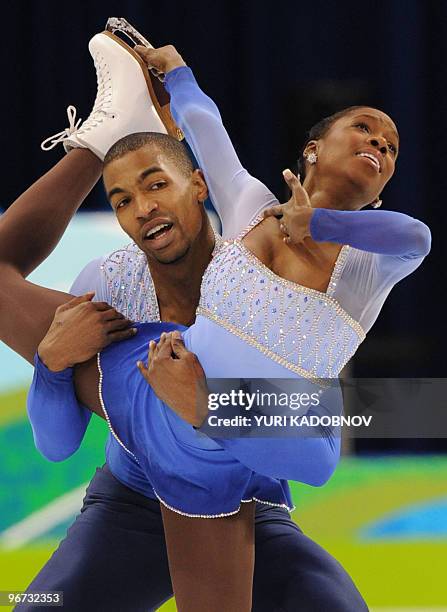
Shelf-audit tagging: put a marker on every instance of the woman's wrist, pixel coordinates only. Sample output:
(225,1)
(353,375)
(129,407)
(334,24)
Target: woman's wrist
(175,64)
(299,226)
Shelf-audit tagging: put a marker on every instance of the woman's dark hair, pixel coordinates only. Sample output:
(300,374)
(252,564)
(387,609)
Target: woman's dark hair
(316,132)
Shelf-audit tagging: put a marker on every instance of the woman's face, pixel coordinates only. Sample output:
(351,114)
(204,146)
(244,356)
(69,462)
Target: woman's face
(362,147)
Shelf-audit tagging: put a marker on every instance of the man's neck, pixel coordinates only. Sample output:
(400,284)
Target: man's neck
(177,285)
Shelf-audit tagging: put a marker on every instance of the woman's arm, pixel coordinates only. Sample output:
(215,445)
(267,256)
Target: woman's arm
(383,232)
(237,196)
(377,231)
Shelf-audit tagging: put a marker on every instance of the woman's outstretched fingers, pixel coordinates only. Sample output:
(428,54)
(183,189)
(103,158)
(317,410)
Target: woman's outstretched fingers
(283,228)
(292,181)
(299,194)
(274,211)
(288,176)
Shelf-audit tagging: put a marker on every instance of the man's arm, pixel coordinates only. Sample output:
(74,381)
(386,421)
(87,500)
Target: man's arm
(237,196)
(311,460)
(79,330)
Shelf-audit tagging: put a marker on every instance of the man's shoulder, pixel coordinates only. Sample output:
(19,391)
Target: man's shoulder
(121,261)
(127,283)
(111,264)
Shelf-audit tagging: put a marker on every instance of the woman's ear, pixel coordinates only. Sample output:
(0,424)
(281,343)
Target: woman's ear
(200,184)
(311,147)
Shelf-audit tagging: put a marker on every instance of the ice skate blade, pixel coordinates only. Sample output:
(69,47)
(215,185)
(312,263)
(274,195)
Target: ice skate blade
(119,24)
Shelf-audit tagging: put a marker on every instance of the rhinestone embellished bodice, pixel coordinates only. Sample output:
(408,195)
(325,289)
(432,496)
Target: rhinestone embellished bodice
(130,288)
(305,330)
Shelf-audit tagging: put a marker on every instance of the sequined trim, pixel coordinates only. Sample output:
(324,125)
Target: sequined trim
(250,226)
(106,414)
(222,514)
(336,272)
(218,242)
(269,503)
(338,269)
(302,289)
(130,286)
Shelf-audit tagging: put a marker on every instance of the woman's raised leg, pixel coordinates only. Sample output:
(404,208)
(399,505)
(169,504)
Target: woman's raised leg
(29,230)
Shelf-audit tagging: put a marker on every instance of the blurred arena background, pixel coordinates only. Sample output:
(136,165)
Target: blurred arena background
(273,72)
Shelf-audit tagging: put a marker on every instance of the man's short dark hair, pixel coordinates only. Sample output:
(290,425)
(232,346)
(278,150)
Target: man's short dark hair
(174,150)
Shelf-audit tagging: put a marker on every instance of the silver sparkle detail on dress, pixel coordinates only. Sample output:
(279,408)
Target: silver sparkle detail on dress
(104,409)
(130,285)
(224,514)
(304,330)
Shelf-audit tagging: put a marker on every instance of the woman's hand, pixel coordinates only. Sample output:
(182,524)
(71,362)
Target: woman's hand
(176,376)
(163,59)
(294,216)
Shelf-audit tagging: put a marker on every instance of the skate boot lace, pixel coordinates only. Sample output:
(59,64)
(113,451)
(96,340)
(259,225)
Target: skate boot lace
(101,108)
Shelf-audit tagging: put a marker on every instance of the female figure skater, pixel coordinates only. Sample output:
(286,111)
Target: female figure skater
(337,293)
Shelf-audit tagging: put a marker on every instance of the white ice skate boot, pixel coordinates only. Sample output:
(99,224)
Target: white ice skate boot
(125,102)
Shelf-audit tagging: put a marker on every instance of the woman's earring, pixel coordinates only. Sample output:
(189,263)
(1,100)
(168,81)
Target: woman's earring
(377,203)
(311,158)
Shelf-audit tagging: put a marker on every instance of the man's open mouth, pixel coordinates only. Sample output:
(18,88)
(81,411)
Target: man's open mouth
(158,231)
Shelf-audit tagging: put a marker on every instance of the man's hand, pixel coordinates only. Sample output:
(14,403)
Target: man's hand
(176,376)
(294,216)
(163,59)
(80,329)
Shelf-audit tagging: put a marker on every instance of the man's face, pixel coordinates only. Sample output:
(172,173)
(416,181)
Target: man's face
(362,146)
(156,204)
